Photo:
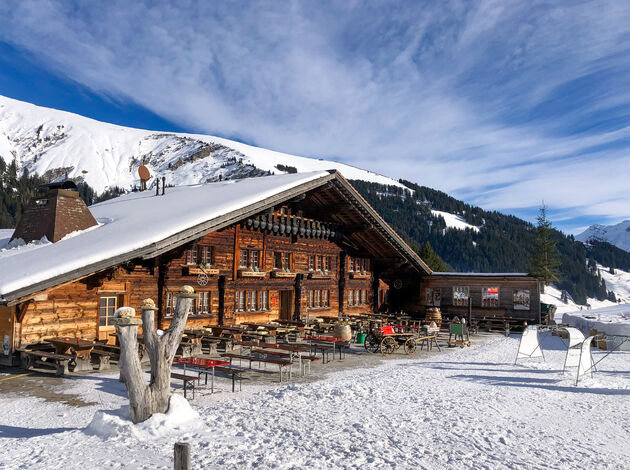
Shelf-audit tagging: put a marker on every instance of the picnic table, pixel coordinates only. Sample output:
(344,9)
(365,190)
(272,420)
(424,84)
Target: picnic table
(327,342)
(201,363)
(79,348)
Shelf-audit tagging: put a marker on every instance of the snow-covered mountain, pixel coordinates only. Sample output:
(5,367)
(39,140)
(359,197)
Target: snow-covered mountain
(58,143)
(618,235)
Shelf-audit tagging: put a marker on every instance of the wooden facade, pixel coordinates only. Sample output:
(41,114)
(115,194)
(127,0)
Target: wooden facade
(240,273)
(513,296)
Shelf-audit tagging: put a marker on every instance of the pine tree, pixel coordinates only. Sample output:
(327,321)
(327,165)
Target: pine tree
(432,258)
(545,261)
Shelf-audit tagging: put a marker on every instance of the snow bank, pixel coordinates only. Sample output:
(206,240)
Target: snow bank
(117,424)
(613,320)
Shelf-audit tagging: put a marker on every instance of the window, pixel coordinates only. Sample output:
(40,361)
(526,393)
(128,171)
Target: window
(361,265)
(282,261)
(206,255)
(251,301)
(191,255)
(170,304)
(490,297)
(319,262)
(108,306)
(326,263)
(383,295)
(311,262)
(203,303)
(254,258)
(250,259)
(317,298)
(433,297)
(521,300)
(239,303)
(460,295)
(364,297)
(356,298)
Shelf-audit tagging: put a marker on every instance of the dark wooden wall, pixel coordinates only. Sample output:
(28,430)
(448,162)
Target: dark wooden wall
(507,285)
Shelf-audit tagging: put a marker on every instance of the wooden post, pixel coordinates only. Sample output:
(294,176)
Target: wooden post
(342,281)
(181,456)
(298,297)
(221,284)
(237,253)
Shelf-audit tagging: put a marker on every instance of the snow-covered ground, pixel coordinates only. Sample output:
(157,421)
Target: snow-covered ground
(454,221)
(614,320)
(469,408)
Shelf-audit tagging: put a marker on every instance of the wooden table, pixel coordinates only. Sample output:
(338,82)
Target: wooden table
(77,347)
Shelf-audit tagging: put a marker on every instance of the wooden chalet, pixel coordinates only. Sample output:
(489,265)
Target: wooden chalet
(255,250)
(515,296)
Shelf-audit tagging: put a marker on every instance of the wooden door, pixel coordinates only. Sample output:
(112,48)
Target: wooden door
(286,305)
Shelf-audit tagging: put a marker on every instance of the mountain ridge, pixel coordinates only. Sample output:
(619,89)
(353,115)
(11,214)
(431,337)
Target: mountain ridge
(47,141)
(615,234)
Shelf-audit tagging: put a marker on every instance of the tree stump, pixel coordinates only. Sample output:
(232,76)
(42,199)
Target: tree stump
(147,399)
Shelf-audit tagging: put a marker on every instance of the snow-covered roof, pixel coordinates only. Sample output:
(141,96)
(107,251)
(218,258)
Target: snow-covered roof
(138,221)
(144,225)
(481,274)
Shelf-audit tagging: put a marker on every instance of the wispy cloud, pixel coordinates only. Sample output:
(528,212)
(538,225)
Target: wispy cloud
(504,104)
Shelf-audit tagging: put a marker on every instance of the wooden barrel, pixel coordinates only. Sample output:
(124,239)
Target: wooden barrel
(434,314)
(342,332)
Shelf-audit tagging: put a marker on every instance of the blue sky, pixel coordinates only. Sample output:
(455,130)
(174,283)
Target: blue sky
(502,104)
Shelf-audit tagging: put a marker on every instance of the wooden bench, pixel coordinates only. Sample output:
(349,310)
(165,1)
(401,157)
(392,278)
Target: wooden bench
(188,380)
(47,359)
(282,364)
(234,372)
(100,358)
(308,359)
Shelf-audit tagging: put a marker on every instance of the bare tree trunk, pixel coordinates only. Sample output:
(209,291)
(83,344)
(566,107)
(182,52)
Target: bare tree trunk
(147,399)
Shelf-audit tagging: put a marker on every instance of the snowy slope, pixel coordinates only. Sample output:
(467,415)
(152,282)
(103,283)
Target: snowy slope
(47,140)
(618,235)
(454,221)
(619,283)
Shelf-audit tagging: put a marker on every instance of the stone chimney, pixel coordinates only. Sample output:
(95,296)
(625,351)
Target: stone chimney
(57,213)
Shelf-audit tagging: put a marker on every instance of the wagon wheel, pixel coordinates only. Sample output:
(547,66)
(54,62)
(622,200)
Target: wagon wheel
(410,346)
(371,343)
(388,346)
(202,279)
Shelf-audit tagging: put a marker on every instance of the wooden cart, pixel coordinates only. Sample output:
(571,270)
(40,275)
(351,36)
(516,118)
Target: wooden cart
(388,339)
